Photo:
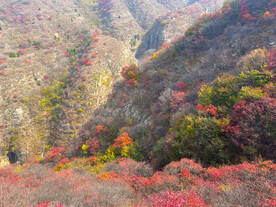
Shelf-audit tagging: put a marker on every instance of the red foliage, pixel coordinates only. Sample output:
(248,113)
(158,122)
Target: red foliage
(169,199)
(54,153)
(2,61)
(271,59)
(137,183)
(46,77)
(48,204)
(66,54)
(253,124)
(165,45)
(88,63)
(174,168)
(181,86)
(9,175)
(83,61)
(245,12)
(131,82)
(94,38)
(92,159)
(208,110)
(129,167)
(269,203)
(185,173)
(99,129)
(63,161)
(93,145)
(157,179)
(198,38)
(123,73)
(177,99)
(184,183)
(22,52)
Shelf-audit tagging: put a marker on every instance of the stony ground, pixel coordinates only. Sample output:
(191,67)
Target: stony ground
(39,33)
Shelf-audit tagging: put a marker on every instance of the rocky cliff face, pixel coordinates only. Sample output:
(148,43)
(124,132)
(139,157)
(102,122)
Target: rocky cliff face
(174,24)
(127,20)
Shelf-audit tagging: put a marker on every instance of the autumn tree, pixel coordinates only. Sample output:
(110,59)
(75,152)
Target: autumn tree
(252,127)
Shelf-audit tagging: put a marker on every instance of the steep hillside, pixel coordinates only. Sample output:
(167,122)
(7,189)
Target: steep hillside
(130,20)
(32,46)
(54,67)
(126,19)
(57,67)
(83,123)
(151,103)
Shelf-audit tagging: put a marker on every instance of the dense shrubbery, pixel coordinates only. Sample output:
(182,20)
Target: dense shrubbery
(223,92)
(252,127)
(130,72)
(210,130)
(168,199)
(125,182)
(198,138)
(253,61)
(256,78)
(163,118)
(234,117)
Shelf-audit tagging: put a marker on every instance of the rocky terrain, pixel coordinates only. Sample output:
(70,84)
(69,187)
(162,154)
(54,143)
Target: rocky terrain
(169,27)
(60,60)
(35,38)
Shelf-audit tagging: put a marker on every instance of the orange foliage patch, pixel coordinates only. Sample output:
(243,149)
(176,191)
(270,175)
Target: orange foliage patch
(88,63)
(123,141)
(210,109)
(94,55)
(107,176)
(99,129)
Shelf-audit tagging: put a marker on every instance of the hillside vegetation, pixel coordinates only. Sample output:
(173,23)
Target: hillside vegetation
(58,66)
(190,122)
(192,98)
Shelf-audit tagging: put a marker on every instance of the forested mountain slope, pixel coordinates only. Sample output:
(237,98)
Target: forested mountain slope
(58,66)
(225,59)
(85,123)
